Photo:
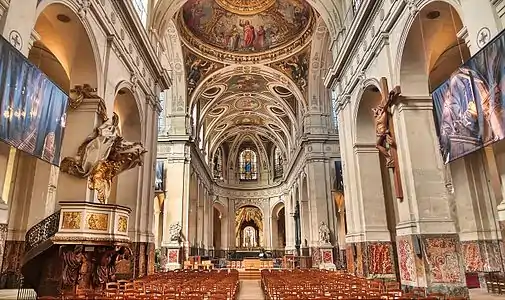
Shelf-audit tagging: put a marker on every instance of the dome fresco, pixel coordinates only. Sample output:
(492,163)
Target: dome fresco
(246,26)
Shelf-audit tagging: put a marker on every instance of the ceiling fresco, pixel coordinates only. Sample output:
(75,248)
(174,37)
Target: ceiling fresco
(247,66)
(296,67)
(246,26)
(197,68)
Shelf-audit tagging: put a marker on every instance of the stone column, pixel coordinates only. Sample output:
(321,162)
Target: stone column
(209,242)
(474,205)
(267,226)
(429,250)
(200,224)
(17,25)
(176,207)
(374,250)
(232,244)
(290,222)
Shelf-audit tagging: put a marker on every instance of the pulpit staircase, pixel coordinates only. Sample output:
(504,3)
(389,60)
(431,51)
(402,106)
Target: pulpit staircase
(40,251)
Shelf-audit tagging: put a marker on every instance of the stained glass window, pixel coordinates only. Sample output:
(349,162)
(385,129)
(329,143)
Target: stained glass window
(248,167)
(218,165)
(278,163)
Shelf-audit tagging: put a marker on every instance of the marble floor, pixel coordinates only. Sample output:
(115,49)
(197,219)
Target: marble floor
(250,290)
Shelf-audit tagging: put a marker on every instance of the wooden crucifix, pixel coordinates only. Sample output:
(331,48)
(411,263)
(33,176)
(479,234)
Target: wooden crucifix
(386,142)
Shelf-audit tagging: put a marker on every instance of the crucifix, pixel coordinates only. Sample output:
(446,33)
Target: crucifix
(386,143)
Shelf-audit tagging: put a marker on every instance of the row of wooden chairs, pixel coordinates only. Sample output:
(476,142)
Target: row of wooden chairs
(495,282)
(180,285)
(328,285)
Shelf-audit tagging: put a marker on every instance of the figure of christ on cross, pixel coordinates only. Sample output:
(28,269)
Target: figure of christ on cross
(386,143)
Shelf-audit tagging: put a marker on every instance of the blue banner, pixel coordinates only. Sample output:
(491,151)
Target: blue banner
(469,107)
(32,108)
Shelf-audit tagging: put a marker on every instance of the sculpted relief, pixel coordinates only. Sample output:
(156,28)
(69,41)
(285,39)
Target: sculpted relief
(235,27)
(102,156)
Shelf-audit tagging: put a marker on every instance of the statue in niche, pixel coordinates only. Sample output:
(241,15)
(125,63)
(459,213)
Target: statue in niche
(324,233)
(249,237)
(102,156)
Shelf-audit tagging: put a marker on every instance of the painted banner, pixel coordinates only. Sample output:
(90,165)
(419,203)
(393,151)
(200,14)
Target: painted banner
(32,108)
(159,184)
(469,107)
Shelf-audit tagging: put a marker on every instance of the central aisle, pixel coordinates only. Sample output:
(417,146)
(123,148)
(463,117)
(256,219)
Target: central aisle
(250,290)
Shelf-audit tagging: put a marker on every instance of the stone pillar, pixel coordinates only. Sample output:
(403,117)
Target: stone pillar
(232,243)
(200,221)
(267,226)
(290,223)
(474,204)
(17,25)
(80,123)
(374,255)
(176,207)
(429,250)
(209,232)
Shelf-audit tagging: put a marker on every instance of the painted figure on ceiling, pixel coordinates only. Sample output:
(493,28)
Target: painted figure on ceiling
(233,38)
(249,34)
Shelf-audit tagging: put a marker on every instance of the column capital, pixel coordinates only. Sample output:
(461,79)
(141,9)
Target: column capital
(412,102)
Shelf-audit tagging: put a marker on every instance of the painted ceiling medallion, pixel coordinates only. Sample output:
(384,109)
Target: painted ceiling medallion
(246,7)
(245,27)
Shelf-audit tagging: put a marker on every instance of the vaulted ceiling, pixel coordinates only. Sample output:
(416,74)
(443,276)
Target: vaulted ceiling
(247,70)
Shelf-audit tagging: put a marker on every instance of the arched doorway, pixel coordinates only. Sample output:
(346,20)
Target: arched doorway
(220,230)
(278,227)
(34,187)
(249,217)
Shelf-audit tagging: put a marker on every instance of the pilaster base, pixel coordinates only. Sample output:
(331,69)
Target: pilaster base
(482,256)
(326,255)
(174,256)
(140,264)
(432,262)
(11,263)
(371,259)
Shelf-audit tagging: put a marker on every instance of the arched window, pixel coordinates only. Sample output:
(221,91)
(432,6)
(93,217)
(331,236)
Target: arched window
(248,165)
(278,163)
(218,165)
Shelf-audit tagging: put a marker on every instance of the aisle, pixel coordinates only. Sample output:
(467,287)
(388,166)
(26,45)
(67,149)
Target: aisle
(250,290)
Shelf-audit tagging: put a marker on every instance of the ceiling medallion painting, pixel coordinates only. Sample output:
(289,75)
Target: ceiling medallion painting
(247,104)
(247,28)
(248,120)
(246,83)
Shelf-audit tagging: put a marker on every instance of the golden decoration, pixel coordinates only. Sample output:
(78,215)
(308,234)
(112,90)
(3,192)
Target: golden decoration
(246,214)
(246,7)
(97,221)
(102,156)
(79,93)
(71,220)
(122,224)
